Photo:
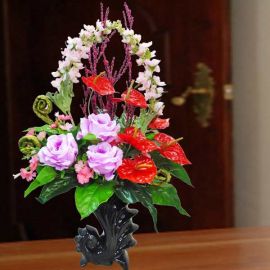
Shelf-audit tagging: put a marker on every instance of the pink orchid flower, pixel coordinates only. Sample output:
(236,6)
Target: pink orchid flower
(31,131)
(27,175)
(63,117)
(33,163)
(41,135)
(84,173)
(53,125)
(66,126)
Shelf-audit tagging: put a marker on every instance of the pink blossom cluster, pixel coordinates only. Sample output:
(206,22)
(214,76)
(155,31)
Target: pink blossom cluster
(30,173)
(61,151)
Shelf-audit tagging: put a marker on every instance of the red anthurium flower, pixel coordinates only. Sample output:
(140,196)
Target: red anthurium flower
(99,84)
(137,139)
(159,123)
(170,149)
(141,170)
(132,97)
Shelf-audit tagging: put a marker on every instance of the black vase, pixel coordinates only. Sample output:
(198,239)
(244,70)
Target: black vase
(115,219)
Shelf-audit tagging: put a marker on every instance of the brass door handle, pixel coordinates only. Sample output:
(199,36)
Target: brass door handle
(202,93)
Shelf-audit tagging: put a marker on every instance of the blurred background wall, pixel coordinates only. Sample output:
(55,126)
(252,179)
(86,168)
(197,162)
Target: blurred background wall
(251,55)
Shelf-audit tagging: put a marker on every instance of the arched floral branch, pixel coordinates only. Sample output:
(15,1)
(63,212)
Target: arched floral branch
(92,43)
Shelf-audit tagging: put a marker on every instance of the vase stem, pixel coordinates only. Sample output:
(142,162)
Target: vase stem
(115,219)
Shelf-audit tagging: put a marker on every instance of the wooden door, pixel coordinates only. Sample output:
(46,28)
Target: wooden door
(184,32)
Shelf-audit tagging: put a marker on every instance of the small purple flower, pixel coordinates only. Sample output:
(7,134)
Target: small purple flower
(104,159)
(100,125)
(60,152)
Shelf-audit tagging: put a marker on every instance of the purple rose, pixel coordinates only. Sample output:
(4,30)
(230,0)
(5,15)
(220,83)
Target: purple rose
(60,152)
(104,159)
(100,125)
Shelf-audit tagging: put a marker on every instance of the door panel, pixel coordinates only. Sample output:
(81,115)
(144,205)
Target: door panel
(184,32)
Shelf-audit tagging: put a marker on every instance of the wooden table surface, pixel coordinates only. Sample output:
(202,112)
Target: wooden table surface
(223,249)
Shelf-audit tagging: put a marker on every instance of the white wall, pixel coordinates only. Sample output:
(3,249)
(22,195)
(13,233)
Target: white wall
(251,79)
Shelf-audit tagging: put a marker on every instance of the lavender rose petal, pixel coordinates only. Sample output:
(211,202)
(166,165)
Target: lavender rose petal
(60,152)
(104,159)
(100,125)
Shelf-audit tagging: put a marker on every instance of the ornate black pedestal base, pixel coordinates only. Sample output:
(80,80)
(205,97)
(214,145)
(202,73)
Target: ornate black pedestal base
(110,246)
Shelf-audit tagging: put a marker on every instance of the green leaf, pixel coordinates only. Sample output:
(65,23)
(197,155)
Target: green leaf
(63,98)
(175,169)
(144,119)
(90,138)
(151,136)
(88,198)
(45,176)
(57,187)
(39,168)
(167,195)
(131,152)
(62,174)
(125,194)
(122,120)
(74,131)
(46,128)
(132,193)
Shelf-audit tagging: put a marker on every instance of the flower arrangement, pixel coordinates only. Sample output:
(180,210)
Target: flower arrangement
(116,148)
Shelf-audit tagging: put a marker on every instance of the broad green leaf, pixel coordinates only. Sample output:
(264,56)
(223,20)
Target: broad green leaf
(152,210)
(125,194)
(88,198)
(57,187)
(45,176)
(175,169)
(132,193)
(39,168)
(167,195)
(63,98)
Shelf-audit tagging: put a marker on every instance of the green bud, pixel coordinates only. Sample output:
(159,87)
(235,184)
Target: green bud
(28,144)
(163,176)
